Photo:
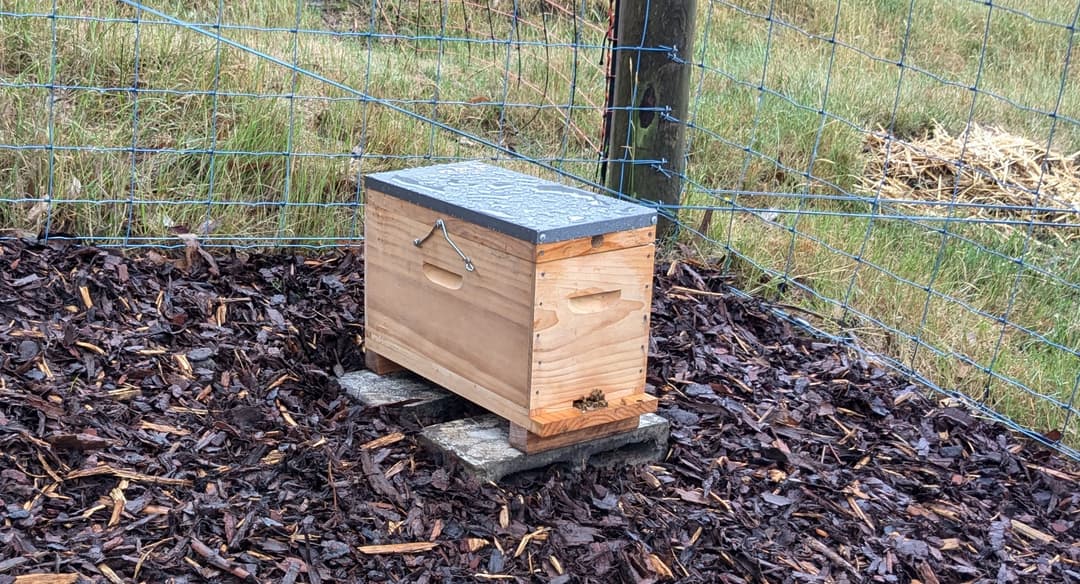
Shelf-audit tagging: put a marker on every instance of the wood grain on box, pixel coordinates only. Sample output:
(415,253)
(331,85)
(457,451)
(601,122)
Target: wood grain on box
(550,252)
(530,443)
(473,339)
(556,421)
(591,326)
(536,326)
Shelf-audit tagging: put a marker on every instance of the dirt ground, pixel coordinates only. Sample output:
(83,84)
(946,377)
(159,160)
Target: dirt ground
(174,417)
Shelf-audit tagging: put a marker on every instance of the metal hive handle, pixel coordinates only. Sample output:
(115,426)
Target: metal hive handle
(439,224)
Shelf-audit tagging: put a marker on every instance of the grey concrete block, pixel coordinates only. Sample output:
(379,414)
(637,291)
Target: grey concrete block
(416,398)
(481,446)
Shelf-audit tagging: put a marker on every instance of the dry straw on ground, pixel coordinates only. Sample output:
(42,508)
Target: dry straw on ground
(998,179)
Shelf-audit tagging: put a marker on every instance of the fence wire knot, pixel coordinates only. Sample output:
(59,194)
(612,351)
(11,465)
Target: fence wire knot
(659,167)
(672,53)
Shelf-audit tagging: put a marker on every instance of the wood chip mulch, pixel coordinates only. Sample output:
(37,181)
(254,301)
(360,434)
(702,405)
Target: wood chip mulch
(174,417)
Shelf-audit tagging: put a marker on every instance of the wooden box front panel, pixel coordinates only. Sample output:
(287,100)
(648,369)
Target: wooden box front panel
(467,331)
(591,327)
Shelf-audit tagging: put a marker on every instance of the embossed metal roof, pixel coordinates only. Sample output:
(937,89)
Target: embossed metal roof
(519,205)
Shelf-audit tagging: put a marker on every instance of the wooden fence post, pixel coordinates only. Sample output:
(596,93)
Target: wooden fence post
(646,78)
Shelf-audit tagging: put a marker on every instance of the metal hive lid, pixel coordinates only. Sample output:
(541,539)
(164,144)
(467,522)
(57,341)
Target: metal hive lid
(519,205)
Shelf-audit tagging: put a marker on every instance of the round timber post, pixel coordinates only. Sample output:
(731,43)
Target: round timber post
(646,135)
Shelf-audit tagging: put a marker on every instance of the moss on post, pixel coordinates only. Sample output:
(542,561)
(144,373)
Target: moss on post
(649,82)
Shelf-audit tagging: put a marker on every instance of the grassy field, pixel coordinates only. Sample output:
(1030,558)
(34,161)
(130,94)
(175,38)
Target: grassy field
(970,269)
(223,153)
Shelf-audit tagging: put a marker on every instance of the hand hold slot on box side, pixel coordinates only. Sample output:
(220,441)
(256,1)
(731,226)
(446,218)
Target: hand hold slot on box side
(443,277)
(594,301)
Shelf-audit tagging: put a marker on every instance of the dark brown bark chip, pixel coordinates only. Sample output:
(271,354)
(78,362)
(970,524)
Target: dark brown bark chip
(173,417)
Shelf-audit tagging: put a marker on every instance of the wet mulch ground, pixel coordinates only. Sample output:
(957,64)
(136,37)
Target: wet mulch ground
(173,417)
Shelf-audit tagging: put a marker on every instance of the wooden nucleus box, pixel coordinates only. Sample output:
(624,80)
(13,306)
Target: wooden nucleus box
(527,297)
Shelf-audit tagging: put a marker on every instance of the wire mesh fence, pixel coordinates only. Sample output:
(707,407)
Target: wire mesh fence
(897,173)
(251,123)
(904,171)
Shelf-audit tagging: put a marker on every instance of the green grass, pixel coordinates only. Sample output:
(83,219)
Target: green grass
(327,122)
(1022,63)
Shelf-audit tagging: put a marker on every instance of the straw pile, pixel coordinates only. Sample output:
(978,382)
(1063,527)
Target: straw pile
(997,181)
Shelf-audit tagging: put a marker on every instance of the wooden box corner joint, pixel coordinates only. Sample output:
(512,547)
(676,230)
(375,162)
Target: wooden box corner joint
(527,297)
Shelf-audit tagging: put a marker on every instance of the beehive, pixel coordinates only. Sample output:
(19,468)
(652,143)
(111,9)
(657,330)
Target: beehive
(527,297)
